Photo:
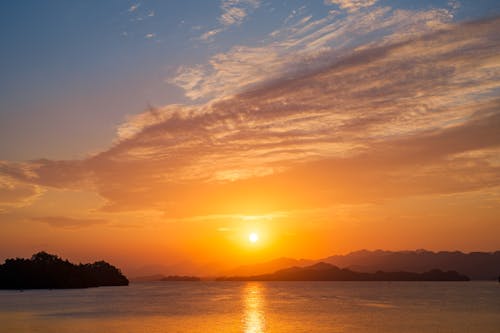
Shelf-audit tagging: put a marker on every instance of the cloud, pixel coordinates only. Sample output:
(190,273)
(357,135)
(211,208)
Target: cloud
(234,12)
(14,193)
(149,36)
(303,45)
(139,13)
(392,118)
(232,15)
(16,186)
(351,5)
(134,7)
(210,34)
(68,222)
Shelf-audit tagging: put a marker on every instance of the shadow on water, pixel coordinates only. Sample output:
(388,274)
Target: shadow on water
(253,299)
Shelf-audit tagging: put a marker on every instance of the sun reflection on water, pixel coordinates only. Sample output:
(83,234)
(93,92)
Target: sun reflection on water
(254,319)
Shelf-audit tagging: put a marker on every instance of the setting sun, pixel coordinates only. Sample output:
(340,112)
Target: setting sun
(166,155)
(253,237)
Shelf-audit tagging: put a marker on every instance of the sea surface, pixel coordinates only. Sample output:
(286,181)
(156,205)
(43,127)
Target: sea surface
(256,307)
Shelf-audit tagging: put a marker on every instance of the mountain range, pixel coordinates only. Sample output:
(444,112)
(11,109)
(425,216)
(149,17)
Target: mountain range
(327,272)
(476,265)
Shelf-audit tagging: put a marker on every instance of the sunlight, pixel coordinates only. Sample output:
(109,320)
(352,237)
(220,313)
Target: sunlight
(257,217)
(254,315)
(253,237)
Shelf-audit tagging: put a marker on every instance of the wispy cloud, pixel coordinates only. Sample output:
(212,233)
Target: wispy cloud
(134,7)
(14,193)
(234,12)
(351,5)
(357,122)
(69,222)
(210,34)
(302,45)
(140,13)
(232,15)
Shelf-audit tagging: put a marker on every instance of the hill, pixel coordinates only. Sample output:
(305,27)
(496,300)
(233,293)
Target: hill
(327,272)
(47,271)
(268,266)
(476,265)
(180,278)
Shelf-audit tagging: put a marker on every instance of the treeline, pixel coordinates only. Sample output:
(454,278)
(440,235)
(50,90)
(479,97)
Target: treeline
(48,271)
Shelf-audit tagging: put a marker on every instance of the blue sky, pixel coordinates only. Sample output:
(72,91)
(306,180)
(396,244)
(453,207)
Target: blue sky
(72,71)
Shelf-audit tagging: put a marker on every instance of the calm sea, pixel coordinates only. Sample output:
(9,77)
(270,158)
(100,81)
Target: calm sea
(257,307)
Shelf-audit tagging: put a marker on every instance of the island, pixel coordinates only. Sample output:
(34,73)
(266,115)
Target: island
(180,278)
(48,271)
(327,272)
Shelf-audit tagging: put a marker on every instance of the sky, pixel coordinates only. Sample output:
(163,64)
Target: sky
(165,133)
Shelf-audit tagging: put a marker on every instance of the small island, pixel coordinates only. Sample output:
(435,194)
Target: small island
(326,272)
(180,278)
(48,271)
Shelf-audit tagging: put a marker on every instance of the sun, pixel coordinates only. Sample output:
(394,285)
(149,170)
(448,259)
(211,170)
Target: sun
(253,237)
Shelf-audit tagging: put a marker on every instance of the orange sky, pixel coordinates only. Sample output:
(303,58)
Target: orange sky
(394,144)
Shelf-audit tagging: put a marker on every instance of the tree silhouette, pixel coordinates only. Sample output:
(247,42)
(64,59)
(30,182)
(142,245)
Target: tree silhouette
(48,271)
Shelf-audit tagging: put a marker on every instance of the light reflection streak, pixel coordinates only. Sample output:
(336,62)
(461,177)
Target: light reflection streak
(254,318)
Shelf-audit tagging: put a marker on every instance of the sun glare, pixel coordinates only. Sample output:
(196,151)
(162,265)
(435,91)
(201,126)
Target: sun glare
(253,237)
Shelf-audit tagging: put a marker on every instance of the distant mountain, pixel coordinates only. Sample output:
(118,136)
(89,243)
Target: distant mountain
(47,271)
(268,267)
(148,278)
(476,265)
(150,272)
(160,277)
(327,272)
(180,278)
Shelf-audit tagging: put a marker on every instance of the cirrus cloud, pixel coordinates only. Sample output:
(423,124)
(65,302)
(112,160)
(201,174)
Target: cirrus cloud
(302,46)
(351,5)
(69,222)
(393,118)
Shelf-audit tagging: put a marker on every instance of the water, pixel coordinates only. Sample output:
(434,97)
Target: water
(257,307)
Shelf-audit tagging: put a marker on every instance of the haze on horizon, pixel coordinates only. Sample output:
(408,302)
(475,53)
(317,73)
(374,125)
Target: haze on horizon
(154,133)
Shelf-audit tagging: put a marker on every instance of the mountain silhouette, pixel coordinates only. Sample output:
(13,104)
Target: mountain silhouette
(180,278)
(327,272)
(48,271)
(476,265)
